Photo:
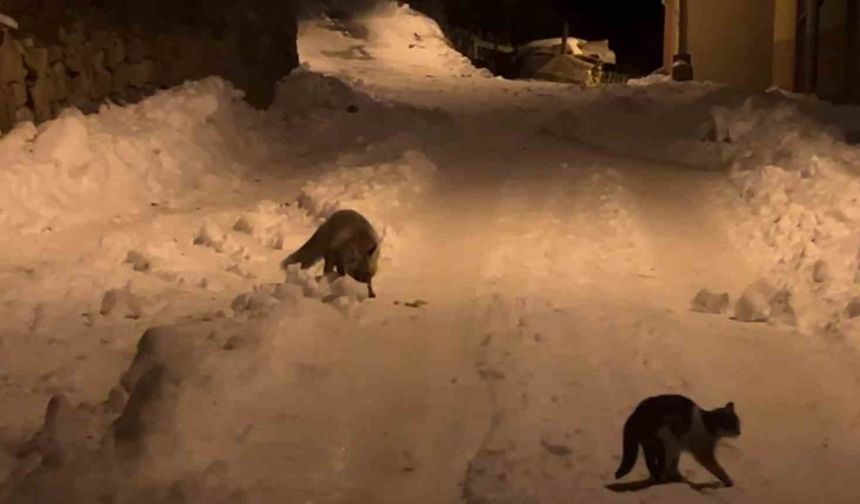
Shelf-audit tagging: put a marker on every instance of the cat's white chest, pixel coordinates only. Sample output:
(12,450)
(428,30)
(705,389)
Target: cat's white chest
(697,435)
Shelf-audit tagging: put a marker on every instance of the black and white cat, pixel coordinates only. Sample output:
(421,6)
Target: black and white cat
(666,425)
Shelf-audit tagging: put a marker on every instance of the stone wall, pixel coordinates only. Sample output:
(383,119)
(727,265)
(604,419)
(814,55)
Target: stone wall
(81,53)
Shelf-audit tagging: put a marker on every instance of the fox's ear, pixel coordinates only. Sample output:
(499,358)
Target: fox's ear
(730,406)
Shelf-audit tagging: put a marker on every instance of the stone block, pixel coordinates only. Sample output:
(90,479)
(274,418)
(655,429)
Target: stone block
(37,61)
(42,95)
(59,80)
(79,58)
(81,89)
(25,114)
(137,50)
(19,93)
(136,75)
(102,81)
(115,52)
(74,34)
(7,109)
(11,60)
(55,53)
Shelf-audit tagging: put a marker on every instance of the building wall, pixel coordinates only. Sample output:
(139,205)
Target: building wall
(670,33)
(832,47)
(731,41)
(853,50)
(784,43)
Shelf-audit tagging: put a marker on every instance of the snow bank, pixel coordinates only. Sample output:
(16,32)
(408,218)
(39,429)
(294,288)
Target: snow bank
(275,405)
(391,40)
(190,140)
(407,39)
(802,186)
(786,156)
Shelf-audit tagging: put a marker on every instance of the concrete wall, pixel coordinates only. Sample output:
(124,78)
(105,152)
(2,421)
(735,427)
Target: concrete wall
(731,41)
(82,52)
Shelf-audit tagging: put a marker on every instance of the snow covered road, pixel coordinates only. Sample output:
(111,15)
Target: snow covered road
(533,288)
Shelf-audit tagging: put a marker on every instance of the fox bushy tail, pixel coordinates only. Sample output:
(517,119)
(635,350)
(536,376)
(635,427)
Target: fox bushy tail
(308,254)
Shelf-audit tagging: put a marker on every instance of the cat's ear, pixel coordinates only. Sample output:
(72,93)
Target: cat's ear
(730,406)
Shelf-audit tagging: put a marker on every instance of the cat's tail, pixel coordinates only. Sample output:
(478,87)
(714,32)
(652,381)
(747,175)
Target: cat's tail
(631,450)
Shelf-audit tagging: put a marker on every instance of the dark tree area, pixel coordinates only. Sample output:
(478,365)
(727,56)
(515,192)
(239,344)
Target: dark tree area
(634,28)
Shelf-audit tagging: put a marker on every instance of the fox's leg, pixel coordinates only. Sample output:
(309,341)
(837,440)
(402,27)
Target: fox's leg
(329,263)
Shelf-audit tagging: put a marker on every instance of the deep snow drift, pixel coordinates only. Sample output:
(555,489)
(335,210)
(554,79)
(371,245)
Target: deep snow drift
(542,248)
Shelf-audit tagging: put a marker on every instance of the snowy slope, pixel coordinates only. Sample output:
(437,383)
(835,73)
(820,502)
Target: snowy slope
(77,169)
(535,283)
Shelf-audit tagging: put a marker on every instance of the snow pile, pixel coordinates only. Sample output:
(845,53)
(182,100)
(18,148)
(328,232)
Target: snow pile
(190,140)
(274,406)
(391,41)
(343,293)
(803,188)
(790,164)
(409,40)
(650,80)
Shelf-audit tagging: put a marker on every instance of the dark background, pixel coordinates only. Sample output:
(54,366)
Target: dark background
(634,27)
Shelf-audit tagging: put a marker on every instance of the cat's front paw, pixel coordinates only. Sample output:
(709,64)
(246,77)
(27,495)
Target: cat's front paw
(728,483)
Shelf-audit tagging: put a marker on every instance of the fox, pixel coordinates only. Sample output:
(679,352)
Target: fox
(665,425)
(348,244)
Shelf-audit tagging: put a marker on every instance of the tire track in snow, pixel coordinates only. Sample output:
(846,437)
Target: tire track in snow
(552,237)
(679,211)
(566,355)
